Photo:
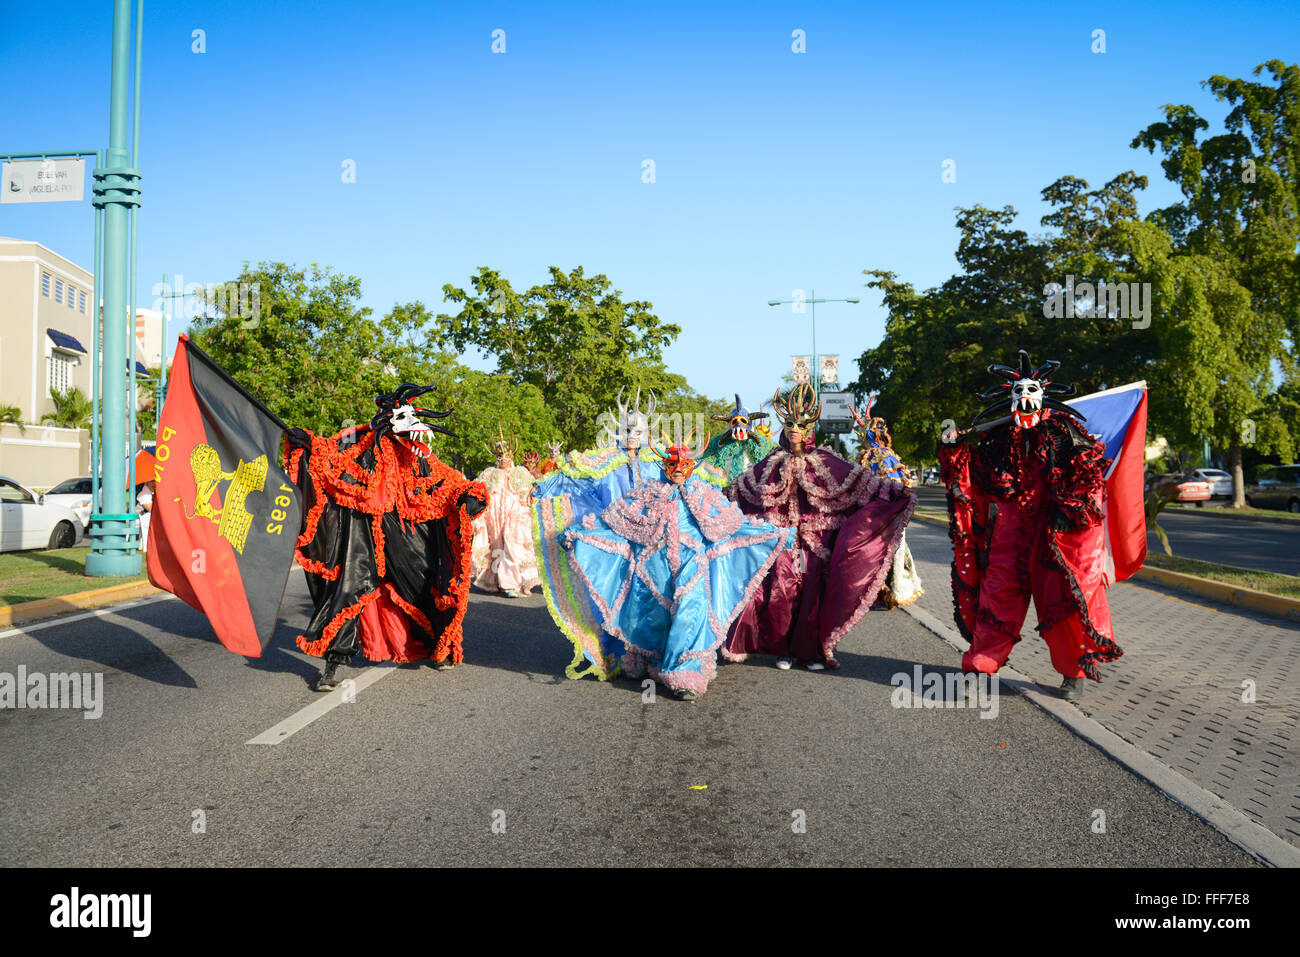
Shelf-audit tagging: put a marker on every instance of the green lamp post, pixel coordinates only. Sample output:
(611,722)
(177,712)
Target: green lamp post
(113,549)
(814,372)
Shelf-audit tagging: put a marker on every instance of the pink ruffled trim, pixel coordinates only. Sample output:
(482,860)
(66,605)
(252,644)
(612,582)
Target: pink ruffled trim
(772,489)
(750,590)
(636,660)
(900,526)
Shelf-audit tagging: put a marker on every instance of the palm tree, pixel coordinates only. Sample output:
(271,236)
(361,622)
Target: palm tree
(12,415)
(73,409)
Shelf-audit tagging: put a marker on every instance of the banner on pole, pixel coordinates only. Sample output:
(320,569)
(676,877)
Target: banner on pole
(801,366)
(830,371)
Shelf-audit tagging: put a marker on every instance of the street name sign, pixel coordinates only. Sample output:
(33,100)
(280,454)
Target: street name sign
(836,418)
(43,181)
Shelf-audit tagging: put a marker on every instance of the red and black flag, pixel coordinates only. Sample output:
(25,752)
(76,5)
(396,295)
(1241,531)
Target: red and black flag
(225,517)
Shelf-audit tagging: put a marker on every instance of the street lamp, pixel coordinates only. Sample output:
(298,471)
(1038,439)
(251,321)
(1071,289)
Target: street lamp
(814,372)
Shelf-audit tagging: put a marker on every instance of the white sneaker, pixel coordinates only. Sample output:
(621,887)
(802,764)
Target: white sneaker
(784,663)
(815,666)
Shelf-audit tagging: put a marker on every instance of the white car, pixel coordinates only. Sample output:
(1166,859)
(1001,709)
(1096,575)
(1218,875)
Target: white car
(1220,481)
(73,494)
(26,522)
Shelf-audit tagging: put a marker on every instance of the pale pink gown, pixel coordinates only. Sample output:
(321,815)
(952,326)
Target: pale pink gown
(503,554)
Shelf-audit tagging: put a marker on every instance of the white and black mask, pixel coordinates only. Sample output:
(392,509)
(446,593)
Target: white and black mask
(1033,394)
(1027,402)
(401,420)
(404,419)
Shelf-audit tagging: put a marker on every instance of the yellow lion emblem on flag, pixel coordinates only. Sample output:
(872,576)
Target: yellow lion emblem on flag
(230,516)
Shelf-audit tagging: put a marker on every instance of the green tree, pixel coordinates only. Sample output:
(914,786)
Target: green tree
(930,364)
(313,354)
(1225,261)
(1097,347)
(492,405)
(574,338)
(317,359)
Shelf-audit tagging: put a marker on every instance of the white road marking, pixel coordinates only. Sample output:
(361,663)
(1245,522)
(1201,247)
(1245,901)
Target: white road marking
(97,613)
(321,706)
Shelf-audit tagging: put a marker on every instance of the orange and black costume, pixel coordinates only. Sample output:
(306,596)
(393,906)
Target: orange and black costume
(385,540)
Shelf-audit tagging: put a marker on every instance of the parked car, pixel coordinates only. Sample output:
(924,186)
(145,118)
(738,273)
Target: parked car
(27,522)
(1189,489)
(1278,487)
(931,476)
(1220,481)
(75,494)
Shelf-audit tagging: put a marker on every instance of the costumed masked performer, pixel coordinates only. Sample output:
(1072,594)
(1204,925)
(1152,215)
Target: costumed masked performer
(386,539)
(850,523)
(548,464)
(504,560)
(586,483)
(741,445)
(903,585)
(1025,499)
(668,566)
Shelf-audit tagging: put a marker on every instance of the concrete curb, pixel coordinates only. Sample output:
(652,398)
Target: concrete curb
(1247,598)
(1254,839)
(79,601)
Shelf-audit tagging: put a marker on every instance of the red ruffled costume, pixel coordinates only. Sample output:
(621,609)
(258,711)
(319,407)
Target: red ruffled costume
(1025,520)
(386,547)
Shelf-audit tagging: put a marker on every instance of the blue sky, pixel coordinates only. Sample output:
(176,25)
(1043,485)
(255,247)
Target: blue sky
(775,171)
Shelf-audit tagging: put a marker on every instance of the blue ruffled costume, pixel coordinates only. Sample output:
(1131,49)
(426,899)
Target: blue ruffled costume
(667,568)
(586,483)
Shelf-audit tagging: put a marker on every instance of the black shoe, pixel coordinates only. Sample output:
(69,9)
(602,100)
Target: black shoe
(445,665)
(1072,689)
(329,679)
(684,694)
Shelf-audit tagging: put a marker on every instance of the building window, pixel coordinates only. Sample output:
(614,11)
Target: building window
(45,285)
(60,371)
(71,303)
(58,290)
(81,300)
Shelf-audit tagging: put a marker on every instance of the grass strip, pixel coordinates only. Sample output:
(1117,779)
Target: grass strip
(29,576)
(1273,583)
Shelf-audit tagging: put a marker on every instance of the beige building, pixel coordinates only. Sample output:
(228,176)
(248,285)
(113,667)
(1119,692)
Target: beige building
(149,336)
(46,310)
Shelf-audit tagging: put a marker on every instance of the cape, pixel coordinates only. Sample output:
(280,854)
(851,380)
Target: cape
(385,545)
(1056,471)
(734,458)
(668,568)
(587,483)
(850,523)
(503,558)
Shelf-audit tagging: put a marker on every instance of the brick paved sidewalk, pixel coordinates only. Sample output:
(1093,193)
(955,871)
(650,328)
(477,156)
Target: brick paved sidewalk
(1177,692)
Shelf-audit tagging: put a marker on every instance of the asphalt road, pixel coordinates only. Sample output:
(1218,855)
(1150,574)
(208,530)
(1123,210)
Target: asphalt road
(418,769)
(1267,546)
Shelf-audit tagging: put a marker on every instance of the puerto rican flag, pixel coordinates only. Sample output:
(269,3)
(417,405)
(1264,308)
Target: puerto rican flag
(1119,418)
